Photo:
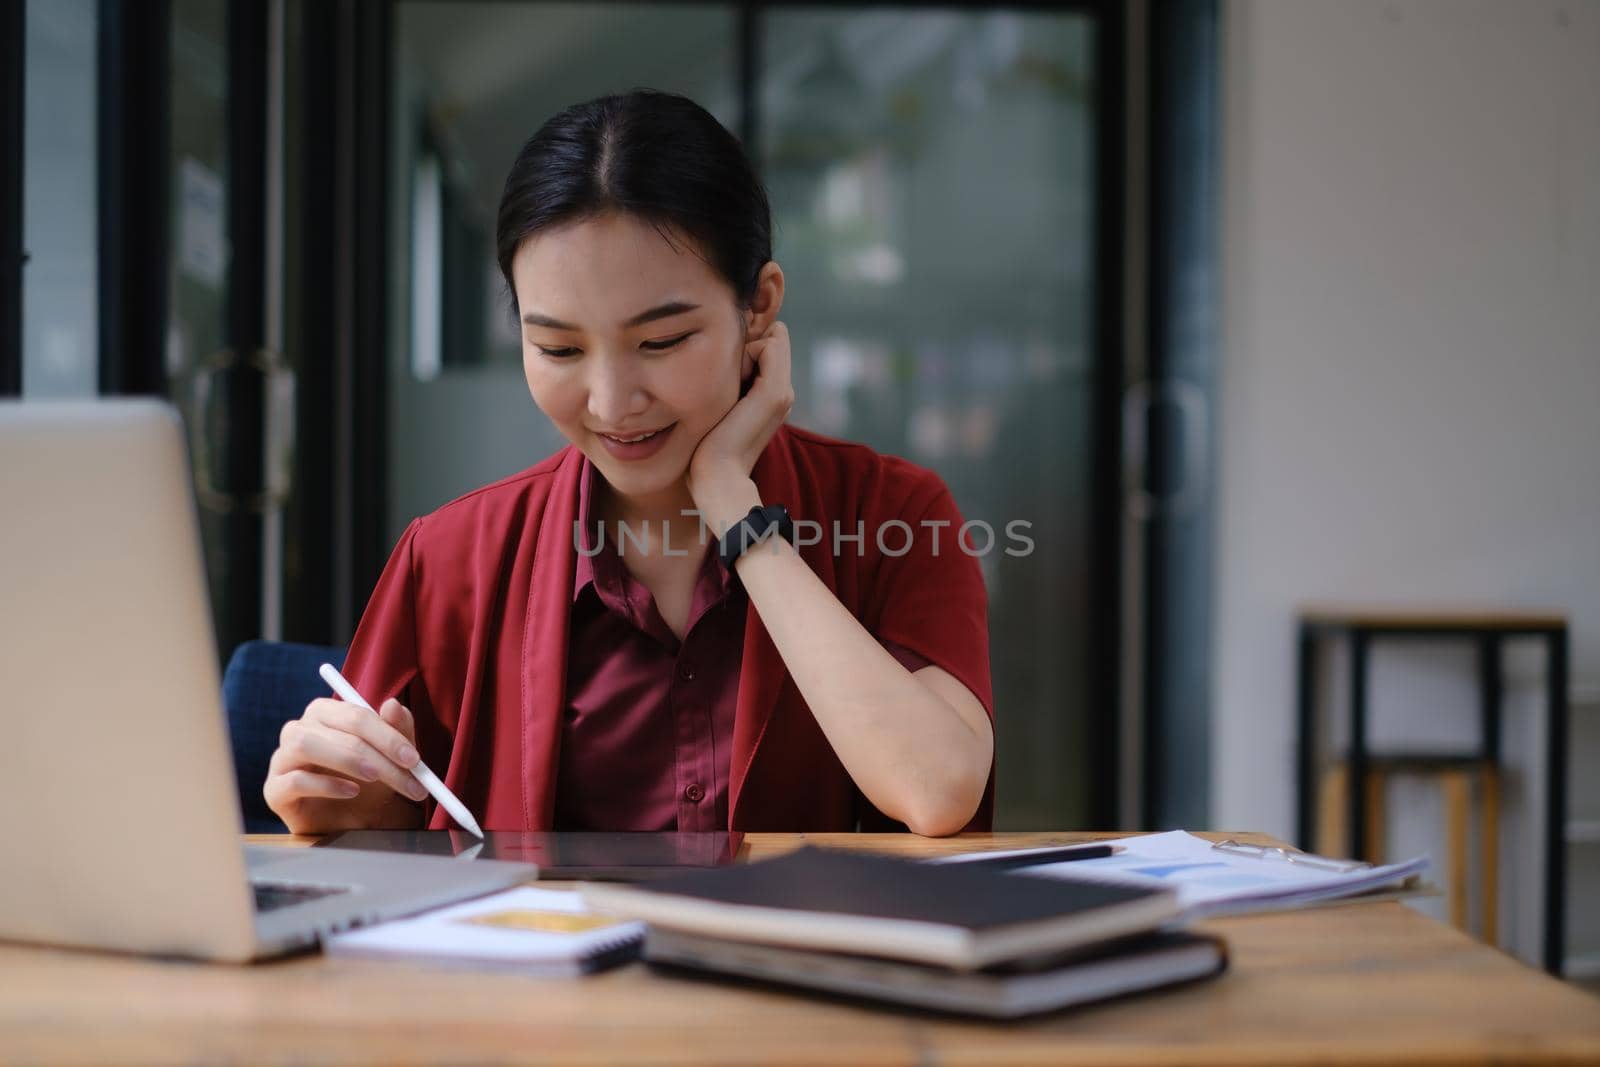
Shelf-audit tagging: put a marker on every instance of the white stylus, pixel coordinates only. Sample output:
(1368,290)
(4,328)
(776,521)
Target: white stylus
(430,781)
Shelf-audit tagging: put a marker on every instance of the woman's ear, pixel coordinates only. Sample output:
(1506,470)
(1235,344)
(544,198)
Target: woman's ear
(766,302)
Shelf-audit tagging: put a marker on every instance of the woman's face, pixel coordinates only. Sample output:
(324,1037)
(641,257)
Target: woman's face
(623,334)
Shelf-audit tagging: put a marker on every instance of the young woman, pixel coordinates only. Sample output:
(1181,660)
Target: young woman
(580,646)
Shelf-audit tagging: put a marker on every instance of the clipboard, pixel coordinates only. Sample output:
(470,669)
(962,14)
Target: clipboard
(1412,888)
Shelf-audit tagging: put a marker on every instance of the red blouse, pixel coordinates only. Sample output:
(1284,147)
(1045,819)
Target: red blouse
(471,624)
(649,719)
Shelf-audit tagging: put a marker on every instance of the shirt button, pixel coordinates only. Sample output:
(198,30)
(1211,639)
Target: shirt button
(686,671)
(694,794)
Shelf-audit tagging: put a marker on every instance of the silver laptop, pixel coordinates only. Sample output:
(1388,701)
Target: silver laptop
(122,824)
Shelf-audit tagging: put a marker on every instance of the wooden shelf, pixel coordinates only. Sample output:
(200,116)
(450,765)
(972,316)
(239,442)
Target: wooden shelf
(1461,617)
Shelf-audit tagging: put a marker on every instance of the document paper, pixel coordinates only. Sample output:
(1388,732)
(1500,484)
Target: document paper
(1212,881)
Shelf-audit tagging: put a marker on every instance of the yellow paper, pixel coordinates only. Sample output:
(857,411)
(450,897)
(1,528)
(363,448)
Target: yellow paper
(562,922)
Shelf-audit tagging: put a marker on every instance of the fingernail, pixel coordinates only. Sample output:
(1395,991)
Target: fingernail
(368,771)
(416,791)
(348,789)
(408,756)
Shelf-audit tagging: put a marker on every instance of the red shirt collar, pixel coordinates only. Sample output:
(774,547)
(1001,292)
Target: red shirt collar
(603,567)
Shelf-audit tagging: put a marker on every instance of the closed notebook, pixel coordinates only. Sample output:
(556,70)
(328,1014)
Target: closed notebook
(1007,991)
(527,930)
(880,906)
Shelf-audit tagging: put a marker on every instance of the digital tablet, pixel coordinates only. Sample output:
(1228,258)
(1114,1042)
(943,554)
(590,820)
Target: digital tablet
(593,855)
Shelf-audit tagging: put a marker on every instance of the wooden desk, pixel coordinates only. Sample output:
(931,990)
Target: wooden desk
(1368,983)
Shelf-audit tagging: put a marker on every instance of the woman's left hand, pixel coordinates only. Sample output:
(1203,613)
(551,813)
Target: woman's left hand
(719,471)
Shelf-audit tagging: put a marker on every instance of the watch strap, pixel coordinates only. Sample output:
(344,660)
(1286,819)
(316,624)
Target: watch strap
(757,525)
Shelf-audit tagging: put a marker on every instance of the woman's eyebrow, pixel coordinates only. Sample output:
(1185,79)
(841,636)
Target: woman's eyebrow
(663,311)
(533,318)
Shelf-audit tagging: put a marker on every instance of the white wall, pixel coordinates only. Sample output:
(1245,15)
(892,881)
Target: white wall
(1410,406)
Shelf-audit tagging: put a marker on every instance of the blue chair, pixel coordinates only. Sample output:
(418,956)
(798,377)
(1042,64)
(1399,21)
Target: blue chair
(266,684)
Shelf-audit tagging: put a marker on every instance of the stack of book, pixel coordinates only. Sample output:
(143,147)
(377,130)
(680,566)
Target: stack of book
(950,938)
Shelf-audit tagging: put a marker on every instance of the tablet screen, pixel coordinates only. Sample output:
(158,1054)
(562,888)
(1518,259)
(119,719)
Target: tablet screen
(561,854)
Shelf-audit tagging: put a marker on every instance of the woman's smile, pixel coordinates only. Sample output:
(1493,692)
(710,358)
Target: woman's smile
(636,446)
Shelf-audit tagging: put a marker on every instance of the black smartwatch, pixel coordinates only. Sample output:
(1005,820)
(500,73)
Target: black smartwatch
(752,529)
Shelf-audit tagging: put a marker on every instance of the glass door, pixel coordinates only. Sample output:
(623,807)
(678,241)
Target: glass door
(932,179)
(223,362)
(149,171)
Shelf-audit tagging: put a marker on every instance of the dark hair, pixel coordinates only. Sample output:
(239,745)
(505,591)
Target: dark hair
(658,156)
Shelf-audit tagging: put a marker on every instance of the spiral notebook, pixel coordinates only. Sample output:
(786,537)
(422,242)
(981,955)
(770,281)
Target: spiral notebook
(525,930)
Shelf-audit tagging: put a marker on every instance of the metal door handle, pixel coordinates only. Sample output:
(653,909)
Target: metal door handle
(1137,404)
(207,391)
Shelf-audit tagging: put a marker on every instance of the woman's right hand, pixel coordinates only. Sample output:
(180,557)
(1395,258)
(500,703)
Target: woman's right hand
(340,767)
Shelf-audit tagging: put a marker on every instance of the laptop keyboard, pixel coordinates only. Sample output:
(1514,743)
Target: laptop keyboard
(270,896)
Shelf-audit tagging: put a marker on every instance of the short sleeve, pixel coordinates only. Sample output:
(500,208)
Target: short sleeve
(929,601)
(383,660)
(930,598)
(911,661)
